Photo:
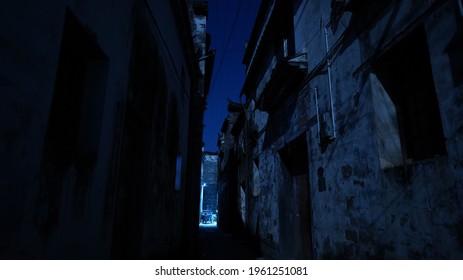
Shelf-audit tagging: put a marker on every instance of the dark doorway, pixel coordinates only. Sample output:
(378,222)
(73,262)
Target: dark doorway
(406,74)
(295,217)
(73,133)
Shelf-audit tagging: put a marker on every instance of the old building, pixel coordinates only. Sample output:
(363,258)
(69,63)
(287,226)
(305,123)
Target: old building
(229,214)
(209,182)
(350,145)
(102,103)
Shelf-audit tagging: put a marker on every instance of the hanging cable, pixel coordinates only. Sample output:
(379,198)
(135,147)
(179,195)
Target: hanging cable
(219,66)
(167,49)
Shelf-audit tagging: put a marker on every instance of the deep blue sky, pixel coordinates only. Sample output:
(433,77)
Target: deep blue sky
(228,76)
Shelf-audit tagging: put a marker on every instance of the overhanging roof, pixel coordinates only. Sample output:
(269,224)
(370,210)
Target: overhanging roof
(286,78)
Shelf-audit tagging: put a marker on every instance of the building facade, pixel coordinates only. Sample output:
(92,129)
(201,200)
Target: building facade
(209,182)
(229,214)
(104,100)
(350,146)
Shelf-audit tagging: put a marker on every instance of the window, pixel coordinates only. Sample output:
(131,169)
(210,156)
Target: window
(388,137)
(405,72)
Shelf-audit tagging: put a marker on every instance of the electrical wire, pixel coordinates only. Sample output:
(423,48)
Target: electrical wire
(219,66)
(167,49)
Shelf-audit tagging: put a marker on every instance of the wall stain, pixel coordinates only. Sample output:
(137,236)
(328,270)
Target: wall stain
(359,183)
(346,171)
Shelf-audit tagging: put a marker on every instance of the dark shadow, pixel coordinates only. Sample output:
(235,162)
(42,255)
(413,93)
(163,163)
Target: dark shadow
(364,15)
(216,244)
(279,122)
(71,142)
(294,202)
(405,72)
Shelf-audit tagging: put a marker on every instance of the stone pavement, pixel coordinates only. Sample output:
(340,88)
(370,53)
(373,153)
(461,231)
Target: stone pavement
(215,244)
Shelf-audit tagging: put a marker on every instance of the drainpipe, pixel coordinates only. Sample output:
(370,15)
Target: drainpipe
(330,86)
(318,114)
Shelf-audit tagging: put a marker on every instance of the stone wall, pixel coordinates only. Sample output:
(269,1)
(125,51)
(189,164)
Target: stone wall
(209,181)
(374,188)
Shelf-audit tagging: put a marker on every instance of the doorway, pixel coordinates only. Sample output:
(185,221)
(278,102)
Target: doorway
(294,203)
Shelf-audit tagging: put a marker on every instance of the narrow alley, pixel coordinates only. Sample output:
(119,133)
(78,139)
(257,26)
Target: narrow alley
(341,137)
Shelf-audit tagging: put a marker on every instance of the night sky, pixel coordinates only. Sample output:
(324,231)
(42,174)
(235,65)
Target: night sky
(230,23)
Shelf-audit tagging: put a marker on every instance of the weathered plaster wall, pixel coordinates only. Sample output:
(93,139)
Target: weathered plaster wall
(30,44)
(366,201)
(359,209)
(210,168)
(229,217)
(31,39)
